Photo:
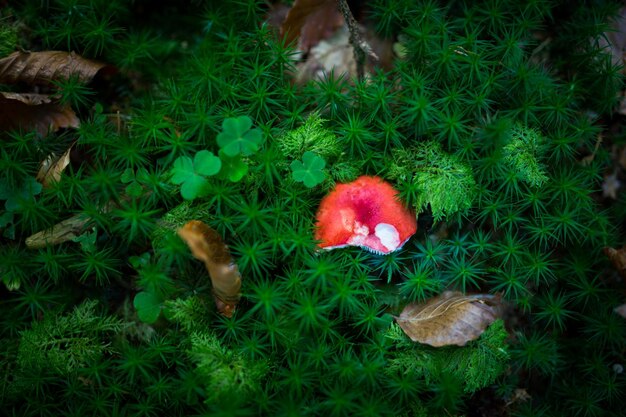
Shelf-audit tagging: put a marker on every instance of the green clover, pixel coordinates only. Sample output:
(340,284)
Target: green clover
(191,174)
(17,198)
(134,188)
(237,138)
(87,241)
(148,306)
(310,170)
(233,169)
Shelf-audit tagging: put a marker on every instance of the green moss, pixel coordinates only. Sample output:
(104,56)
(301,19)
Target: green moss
(482,126)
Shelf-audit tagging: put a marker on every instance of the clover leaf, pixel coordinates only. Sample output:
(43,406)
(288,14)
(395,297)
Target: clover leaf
(237,138)
(16,198)
(233,169)
(87,241)
(134,188)
(148,306)
(205,163)
(191,174)
(310,170)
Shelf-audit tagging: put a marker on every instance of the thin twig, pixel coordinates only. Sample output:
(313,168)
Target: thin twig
(361,48)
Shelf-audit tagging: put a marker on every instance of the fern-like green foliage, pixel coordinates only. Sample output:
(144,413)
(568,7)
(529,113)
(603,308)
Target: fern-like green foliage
(62,344)
(189,313)
(312,136)
(478,364)
(522,155)
(224,372)
(441,180)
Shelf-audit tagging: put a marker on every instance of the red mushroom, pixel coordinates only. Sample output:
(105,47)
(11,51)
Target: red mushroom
(364,213)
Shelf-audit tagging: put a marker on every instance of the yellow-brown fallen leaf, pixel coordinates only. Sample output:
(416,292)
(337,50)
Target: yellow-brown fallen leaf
(618,259)
(43,67)
(452,318)
(207,246)
(34,112)
(52,167)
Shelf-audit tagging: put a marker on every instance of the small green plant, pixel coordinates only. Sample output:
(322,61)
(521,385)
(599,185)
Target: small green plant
(237,137)
(148,306)
(233,167)
(192,173)
(134,181)
(309,171)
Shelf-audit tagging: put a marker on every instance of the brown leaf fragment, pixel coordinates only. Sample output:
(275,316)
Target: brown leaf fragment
(52,167)
(44,67)
(617,258)
(34,112)
(66,230)
(61,232)
(207,246)
(311,20)
(621,310)
(451,318)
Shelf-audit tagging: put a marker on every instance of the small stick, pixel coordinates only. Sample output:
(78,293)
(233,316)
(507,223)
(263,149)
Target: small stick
(361,47)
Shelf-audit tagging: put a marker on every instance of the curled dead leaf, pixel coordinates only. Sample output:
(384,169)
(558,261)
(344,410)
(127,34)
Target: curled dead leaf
(43,67)
(207,246)
(34,112)
(451,318)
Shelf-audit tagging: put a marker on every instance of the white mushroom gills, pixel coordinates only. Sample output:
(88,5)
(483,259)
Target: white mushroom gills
(388,235)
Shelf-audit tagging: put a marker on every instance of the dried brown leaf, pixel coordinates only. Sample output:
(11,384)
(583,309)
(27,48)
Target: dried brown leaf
(207,246)
(449,319)
(311,20)
(34,112)
(617,258)
(61,232)
(69,229)
(44,67)
(52,167)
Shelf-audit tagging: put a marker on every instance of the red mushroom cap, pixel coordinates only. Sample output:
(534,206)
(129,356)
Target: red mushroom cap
(364,213)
